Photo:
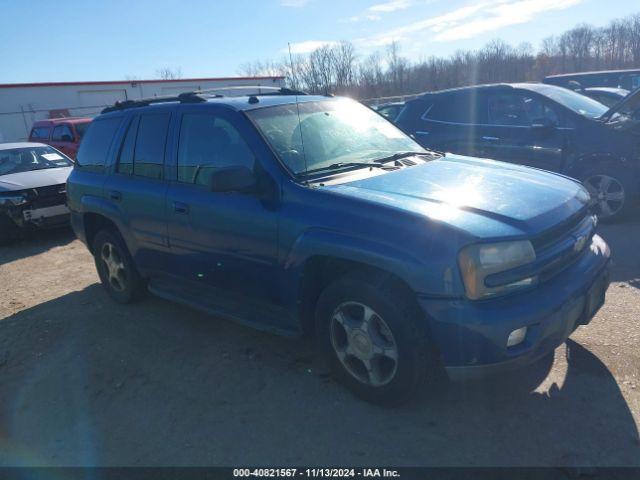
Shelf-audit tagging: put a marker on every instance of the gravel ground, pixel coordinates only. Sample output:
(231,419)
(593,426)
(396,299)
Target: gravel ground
(85,381)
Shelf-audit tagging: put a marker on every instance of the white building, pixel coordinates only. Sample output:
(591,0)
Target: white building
(22,104)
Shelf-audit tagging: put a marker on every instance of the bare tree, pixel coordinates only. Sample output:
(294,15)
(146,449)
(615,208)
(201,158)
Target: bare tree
(168,73)
(397,65)
(259,68)
(337,67)
(344,57)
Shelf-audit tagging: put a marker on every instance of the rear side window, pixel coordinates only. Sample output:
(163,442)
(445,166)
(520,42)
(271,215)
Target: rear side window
(94,147)
(41,133)
(148,155)
(208,142)
(62,133)
(453,109)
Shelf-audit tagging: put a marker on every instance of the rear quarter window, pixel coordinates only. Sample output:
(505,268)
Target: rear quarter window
(96,143)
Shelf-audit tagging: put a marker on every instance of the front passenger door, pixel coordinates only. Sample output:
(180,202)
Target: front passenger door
(525,130)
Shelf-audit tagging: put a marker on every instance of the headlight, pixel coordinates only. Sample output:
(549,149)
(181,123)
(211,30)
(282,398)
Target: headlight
(479,261)
(12,200)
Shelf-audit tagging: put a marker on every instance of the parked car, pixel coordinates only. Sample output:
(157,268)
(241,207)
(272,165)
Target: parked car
(315,214)
(606,95)
(32,188)
(62,133)
(627,79)
(389,110)
(542,126)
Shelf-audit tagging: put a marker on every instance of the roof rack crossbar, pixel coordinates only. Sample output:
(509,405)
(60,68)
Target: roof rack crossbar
(262,90)
(187,97)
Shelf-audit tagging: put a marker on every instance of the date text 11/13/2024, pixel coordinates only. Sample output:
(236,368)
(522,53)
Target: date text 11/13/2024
(315,472)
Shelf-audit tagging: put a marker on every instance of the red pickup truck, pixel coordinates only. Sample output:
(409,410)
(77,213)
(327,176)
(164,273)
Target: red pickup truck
(61,133)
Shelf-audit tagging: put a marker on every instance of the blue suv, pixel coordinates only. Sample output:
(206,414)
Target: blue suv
(310,214)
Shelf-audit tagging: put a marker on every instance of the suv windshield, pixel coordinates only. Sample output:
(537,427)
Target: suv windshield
(17,160)
(328,132)
(574,101)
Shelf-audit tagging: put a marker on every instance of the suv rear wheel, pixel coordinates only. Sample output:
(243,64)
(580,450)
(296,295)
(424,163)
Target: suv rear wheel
(374,338)
(115,267)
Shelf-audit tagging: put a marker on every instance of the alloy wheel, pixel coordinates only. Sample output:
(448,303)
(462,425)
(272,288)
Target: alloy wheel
(607,193)
(115,268)
(364,344)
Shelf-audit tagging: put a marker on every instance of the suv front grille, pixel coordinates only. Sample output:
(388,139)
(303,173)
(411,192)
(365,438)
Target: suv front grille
(556,249)
(557,233)
(562,245)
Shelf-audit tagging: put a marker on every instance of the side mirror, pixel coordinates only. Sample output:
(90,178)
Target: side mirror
(66,138)
(233,179)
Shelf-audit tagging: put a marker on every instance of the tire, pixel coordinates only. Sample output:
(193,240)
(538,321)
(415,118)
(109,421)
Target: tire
(612,194)
(395,328)
(9,231)
(115,267)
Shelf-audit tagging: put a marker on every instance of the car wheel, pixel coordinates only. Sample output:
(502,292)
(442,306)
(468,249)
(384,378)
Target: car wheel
(609,194)
(374,338)
(9,231)
(115,267)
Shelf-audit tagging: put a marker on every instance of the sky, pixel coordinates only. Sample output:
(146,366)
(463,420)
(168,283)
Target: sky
(84,40)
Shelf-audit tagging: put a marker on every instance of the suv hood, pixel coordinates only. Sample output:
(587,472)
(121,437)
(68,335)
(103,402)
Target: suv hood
(34,179)
(485,198)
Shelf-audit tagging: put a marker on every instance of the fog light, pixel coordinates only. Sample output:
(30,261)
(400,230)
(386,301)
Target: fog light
(516,337)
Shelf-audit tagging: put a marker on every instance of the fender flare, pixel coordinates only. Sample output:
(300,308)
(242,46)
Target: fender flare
(590,161)
(316,242)
(100,206)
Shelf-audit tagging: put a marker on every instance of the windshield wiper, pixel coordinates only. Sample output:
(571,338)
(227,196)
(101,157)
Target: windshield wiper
(341,165)
(399,155)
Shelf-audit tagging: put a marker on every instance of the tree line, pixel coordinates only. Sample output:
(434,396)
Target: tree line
(338,68)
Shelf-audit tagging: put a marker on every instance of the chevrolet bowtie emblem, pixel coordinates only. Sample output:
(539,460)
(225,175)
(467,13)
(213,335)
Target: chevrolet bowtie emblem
(581,241)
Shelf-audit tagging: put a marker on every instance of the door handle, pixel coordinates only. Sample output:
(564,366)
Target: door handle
(491,139)
(115,195)
(180,207)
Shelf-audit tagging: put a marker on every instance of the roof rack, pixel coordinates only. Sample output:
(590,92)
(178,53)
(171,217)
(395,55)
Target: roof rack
(187,97)
(262,90)
(197,96)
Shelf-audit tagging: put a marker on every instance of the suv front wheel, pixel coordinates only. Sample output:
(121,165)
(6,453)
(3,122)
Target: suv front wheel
(374,338)
(115,267)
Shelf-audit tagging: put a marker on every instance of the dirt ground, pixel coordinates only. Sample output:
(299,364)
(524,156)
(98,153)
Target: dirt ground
(84,381)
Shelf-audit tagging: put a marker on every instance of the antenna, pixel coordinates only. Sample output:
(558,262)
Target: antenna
(293,75)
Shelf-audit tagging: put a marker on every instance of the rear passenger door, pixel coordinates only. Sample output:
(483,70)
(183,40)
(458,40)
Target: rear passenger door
(137,188)
(225,241)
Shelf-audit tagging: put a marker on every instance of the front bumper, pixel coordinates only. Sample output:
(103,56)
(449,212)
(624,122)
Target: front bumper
(28,217)
(472,335)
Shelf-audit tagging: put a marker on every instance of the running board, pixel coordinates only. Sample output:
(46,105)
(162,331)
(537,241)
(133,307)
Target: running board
(225,305)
